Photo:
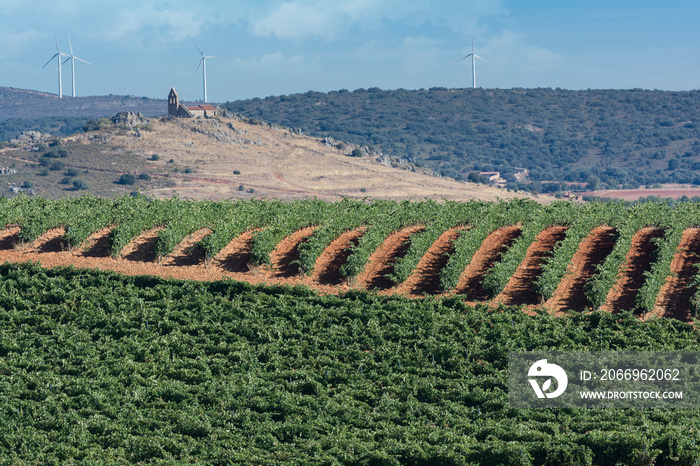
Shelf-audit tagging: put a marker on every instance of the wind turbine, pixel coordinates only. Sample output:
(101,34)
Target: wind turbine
(72,58)
(58,55)
(474,57)
(203,63)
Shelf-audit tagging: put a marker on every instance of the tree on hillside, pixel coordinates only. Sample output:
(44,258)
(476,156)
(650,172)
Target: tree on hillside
(126,179)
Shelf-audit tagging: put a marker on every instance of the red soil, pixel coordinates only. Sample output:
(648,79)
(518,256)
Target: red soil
(286,253)
(425,279)
(97,244)
(51,241)
(143,247)
(232,263)
(490,251)
(381,262)
(674,297)
(519,289)
(9,238)
(327,266)
(570,294)
(234,257)
(186,253)
(631,278)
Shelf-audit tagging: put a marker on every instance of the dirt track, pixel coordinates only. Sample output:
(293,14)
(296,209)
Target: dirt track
(187,262)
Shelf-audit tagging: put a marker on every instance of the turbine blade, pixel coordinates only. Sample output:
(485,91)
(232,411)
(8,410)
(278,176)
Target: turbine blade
(70,45)
(200,50)
(56,39)
(464,57)
(50,60)
(215,56)
(80,59)
(200,64)
(67,60)
(477,56)
(473,42)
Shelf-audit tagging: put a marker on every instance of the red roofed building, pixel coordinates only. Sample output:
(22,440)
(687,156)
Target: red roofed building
(176,108)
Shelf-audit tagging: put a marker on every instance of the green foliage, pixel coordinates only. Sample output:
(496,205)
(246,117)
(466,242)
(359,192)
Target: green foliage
(580,221)
(648,214)
(271,221)
(684,215)
(58,126)
(97,124)
(80,185)
(599,138)
(103,368)
(127,179)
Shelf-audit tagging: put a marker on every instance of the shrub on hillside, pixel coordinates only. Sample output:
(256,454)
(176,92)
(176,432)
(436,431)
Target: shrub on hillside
(57,166)
(57,153)
(79,185)
(126,179)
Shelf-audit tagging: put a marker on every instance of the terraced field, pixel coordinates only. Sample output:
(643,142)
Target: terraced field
(562,257)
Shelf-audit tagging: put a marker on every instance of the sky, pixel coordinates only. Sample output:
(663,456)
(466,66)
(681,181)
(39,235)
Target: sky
(278,47)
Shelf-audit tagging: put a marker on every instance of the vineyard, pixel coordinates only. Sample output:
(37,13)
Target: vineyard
(119,366)
(562,257)
(102,368)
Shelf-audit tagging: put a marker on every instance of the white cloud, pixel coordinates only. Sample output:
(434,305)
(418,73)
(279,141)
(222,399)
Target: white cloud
(154,23)
(294,21)
(513,47)
(277,62)
(299,19)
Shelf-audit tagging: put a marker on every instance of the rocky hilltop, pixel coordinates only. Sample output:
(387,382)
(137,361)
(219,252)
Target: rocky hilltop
(217,158)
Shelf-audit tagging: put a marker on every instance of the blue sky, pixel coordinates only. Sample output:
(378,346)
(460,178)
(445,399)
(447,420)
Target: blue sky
(274,47)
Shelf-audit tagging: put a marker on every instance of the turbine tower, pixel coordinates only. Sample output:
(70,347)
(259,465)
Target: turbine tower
(474,57)
(72,58)
(58,55)
(203,63)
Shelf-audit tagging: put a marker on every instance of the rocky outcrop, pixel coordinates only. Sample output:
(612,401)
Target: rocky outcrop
(129,118)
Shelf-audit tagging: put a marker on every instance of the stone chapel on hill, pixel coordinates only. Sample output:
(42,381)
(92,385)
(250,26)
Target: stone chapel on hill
(177,109)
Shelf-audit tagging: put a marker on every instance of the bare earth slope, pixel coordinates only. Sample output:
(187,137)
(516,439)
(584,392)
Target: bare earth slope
(272,161)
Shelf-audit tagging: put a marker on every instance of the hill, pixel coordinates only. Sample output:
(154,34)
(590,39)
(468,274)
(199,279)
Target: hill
(601,138)
(213,159)
(27,104)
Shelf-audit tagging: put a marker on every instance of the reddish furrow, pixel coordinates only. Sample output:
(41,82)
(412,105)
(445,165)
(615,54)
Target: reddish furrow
(519,289)
(496,243)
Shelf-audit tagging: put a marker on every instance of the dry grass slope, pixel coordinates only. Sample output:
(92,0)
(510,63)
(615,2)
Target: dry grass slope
(269,161)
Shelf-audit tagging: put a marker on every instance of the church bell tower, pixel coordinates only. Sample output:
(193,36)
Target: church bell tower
(173,102)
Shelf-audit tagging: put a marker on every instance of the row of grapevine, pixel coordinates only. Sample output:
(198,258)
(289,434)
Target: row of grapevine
(272,221)
(347,215)
(533,223)
(639,216)
(684,216)
(581,221)
(447,215)
(402,215)
(482,225)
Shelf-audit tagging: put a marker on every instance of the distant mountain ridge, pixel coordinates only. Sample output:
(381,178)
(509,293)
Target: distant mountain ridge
(28,104)
(601,139)
(604,138)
